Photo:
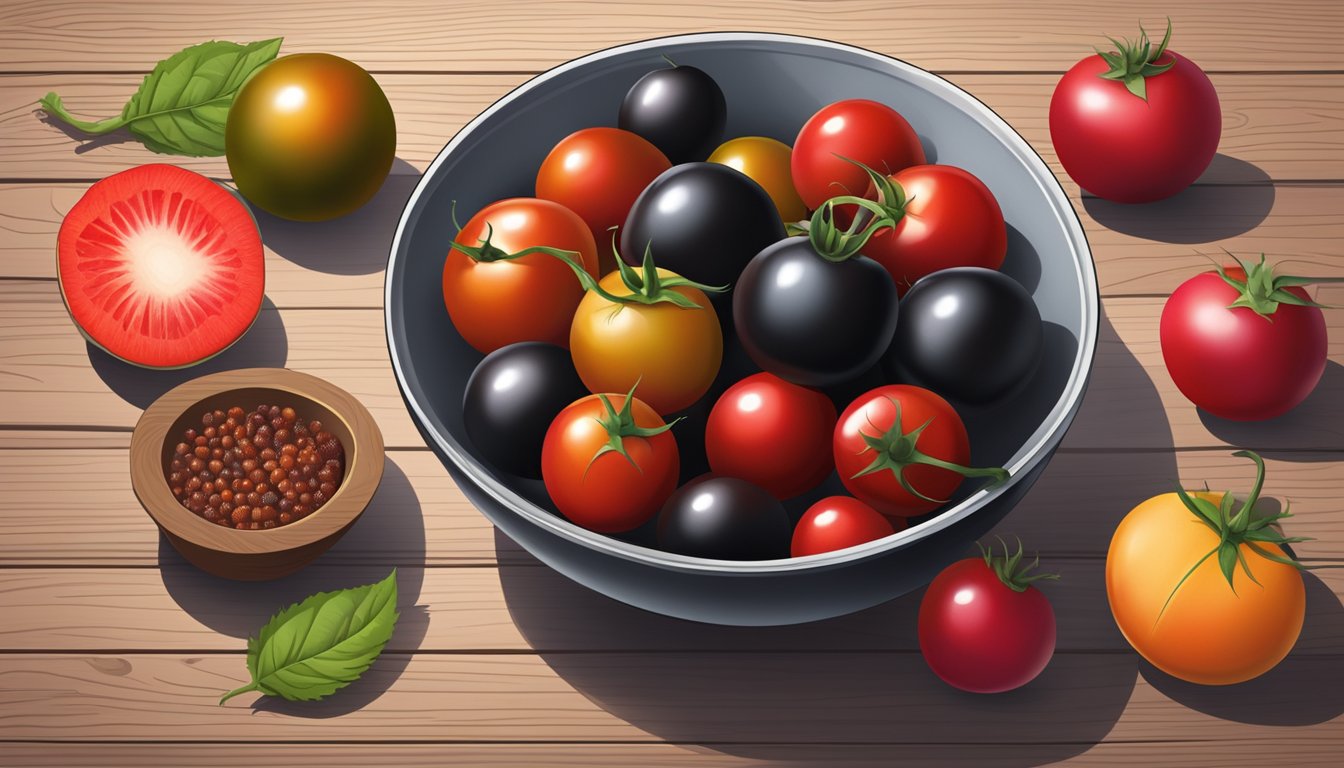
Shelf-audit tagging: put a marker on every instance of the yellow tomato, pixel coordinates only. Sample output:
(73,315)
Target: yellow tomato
(1208,633)
(672,352)
(766,162)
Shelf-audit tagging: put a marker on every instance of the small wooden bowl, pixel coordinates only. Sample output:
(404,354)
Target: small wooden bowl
(267,554)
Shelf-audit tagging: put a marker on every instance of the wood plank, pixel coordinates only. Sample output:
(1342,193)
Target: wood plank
(1280,127)
(51,377)
(1231,753)
(1137,250)
(419,517)
(821,698)
(41,35)
(511,608)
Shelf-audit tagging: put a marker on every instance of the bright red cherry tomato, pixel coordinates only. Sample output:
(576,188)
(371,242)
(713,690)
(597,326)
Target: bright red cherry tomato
(598,173)
(903,449)
(983,627)
(1235,362)
(772,433)
(839,522)
(951,219)
(857,129)
(609,463)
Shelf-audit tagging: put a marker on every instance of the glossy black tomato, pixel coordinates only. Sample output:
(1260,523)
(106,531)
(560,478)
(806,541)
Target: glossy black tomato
(813,321)
(511,399)
(968,333)
(680,110)
(724,518)
(704,221)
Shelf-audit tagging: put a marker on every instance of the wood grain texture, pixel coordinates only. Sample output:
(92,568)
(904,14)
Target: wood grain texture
(864,698)
(420,518)
(530,35)
(1284,127)
(52,377)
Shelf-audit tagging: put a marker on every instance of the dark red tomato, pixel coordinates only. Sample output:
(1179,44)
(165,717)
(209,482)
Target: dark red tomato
(983,627)
(839,522)
(609,463)
(598,173)
(951,220)
(772,433)
(1237,362)
(903,449)
(1134,148)
(858,129)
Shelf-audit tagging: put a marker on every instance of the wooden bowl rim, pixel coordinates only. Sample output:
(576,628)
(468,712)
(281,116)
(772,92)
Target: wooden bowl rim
(364,462)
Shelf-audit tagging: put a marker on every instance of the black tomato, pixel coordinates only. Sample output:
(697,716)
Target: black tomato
(680,110)
(968,333)
(704,221)
(511,399)
(724,518)
(813,321)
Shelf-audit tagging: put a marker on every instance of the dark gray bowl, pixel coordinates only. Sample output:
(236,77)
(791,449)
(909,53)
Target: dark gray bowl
(773,84)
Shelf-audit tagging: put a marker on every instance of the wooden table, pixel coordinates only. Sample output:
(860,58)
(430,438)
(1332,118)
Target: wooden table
(114,651)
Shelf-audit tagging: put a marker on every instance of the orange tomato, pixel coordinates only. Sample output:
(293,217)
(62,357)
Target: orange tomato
(1208,633)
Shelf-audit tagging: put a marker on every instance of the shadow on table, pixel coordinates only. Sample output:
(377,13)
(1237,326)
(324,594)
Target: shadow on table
(855,688)
(1316,420)
(386,534)
(1304,689)
(355,244)
(264,345)
(86,141)
(1201,213)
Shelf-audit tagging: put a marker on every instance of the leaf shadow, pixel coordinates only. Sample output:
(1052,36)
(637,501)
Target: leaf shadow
(87,142)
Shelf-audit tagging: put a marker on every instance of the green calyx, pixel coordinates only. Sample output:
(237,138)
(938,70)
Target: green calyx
(1132,62)
(1263,291)
(836,244)
(487,251)
(645,286)
(620,425)
(896,449)
(1012,570)
(1235,528)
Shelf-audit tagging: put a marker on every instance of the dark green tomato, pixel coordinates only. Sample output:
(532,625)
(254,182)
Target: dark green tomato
(968,333)
(724,518)
(811,321)
(703,221)
(511,399)
(680,110)
(310,137)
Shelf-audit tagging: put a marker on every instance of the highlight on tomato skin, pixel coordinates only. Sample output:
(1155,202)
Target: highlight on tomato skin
(840,522)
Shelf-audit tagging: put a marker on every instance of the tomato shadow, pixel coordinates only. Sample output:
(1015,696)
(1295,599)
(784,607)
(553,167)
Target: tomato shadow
(1314,425)
(1304,689)
(390,533)
(355,244)
(1022,262)
(264,345)
(1238,200)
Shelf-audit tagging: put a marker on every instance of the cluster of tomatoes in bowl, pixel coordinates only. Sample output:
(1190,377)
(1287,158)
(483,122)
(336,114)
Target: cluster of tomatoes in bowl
(682,333)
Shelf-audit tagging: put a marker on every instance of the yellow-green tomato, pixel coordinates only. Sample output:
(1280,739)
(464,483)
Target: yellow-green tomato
(672,352)
(310,137)
(766,162)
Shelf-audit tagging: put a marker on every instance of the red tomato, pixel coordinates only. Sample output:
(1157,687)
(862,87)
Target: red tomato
(609,466)
(839,522)
(1123,147)
(484,292)
(1234,362)
(772,433)
(983,628)
(951,220)
(885,441)
(858,129)
(598,173)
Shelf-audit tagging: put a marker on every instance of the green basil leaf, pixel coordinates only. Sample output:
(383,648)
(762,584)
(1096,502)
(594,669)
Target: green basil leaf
(316,647)
(182,106)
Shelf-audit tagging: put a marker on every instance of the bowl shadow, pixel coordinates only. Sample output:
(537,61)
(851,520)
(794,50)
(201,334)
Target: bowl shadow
(1202,213)
(264,345)
(354,244)
(362,556)
(1311,420)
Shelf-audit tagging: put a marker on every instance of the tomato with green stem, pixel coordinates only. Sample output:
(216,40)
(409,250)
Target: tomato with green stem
(903,450)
